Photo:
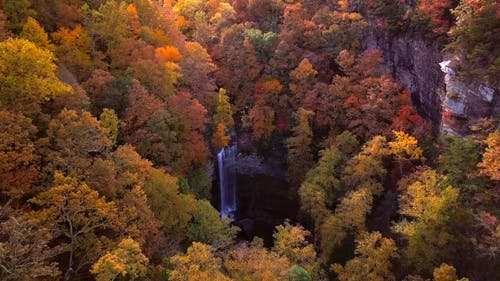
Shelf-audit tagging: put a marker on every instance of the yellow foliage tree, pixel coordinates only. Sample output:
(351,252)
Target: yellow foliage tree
(220,139)
(126,260)
(74,47)
(406,147)
(290,241)
(223,111)
(372,261)
(446,272)
(34,32)
(490,166)
(76,212)
(256,263)
(199,263)
(27,76)
(433,206)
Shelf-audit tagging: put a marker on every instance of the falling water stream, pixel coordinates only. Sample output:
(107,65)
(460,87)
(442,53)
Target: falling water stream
(227,177)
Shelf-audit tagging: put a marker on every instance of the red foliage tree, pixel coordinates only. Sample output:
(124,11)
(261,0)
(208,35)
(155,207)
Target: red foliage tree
(436,11)
(18,162)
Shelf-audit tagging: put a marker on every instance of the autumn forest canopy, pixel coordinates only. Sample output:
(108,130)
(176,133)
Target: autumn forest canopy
(112,114)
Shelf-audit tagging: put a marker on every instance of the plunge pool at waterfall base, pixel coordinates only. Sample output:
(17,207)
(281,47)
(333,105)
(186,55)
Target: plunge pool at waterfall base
(263,202)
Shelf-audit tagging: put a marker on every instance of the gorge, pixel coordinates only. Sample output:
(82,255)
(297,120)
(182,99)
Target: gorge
(452,105)
(256,140)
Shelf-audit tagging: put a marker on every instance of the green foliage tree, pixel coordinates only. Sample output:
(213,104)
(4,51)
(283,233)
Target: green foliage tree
(298,273)
(174,210)
(458,163)
(322,185)
(340,29)
(110,122)
(367,168)
(200,183)
(223,111)
(475,39)
(317,191)
(362,178)
(113,22)
(207,227)
(262,41)
(348,219)
(17,12)
(300,155)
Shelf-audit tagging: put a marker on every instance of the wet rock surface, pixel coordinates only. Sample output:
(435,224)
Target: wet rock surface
(263,203)
(265,198)
(255,165)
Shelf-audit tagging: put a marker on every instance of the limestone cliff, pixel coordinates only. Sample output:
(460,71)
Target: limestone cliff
(419,64)
(464,104)
(414,63)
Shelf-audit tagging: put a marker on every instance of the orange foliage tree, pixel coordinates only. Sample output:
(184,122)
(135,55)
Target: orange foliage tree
(18,162)
(262,114)
(168,53)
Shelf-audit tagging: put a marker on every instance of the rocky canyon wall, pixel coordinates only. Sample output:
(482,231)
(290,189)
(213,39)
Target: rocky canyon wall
(452,105)
(464,104)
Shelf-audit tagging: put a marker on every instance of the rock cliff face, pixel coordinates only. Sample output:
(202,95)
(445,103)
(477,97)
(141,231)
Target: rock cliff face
(464,104)
(419,64)
(414,63)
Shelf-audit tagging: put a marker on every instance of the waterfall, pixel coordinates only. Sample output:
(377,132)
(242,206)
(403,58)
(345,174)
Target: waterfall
(227,177)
